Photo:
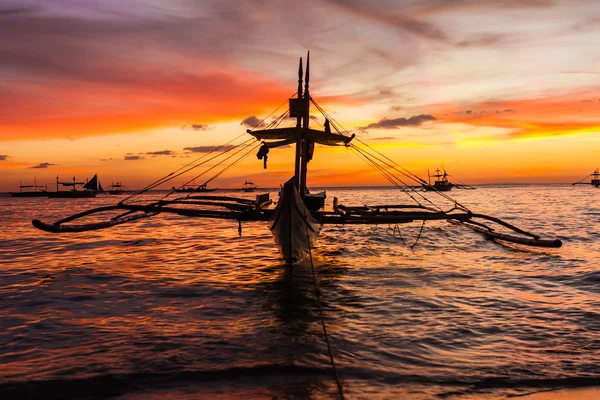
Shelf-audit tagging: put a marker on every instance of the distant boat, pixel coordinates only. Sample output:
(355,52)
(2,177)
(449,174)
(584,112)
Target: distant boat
(116,189)
(28,193)
(249,186)
(441,184)
(595,182)
(193,188)
(90,189)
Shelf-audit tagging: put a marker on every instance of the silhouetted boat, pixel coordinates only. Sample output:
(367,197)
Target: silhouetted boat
(193,189)
(90,189)
(298,216)
(595,181)
(116,189)
(441,183)
(249,186)
(31,193)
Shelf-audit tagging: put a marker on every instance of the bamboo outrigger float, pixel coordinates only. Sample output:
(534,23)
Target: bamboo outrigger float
(296,218)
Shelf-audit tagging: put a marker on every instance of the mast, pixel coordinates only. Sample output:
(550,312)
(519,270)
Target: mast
(306,119)
(57,183)
(298,126)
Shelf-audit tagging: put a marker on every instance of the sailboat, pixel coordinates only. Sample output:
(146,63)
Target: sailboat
(90,189)
(43,192)
(297,217)
(595,181)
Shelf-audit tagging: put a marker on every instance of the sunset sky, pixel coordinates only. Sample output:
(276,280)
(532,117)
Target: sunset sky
(495,91)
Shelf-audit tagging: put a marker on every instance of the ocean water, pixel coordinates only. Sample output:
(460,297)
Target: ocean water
(173,307)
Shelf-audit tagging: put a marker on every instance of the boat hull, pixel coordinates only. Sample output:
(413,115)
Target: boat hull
(294,228)
(438,188)
(28,194)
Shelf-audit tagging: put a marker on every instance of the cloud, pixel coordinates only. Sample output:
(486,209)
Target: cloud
(3,157)
(207,149)
(43,165)
(160,153)
(125,74)
(252,122)
(483,40)
(547,116)
(133,158)
(396,123)
(385,16)
(16,10)
(384,138)
(106,159)
(198,127)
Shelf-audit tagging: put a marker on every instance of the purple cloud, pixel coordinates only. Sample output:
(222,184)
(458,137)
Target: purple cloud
(396,123)
(206,149)
(252,122)
(43,165)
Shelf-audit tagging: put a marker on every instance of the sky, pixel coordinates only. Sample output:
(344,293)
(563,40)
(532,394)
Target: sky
(494,91)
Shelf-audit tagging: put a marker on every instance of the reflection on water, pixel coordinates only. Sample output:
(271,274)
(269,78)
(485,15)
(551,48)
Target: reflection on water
(171,306)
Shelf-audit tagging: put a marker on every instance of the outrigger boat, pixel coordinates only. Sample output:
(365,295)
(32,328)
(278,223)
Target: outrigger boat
(595,182)
(193,189)
(90,189)
(116,189)
(297,216)
(442,184)
(43,192)
(249,186)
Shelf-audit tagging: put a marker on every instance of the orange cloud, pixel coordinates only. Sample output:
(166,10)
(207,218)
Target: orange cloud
(569,114)
(59,110)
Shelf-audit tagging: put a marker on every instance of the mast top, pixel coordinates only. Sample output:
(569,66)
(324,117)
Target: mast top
(300,78)
(307,76)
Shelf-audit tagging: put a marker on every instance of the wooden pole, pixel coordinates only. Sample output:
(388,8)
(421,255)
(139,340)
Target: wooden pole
(298,126)
(305,125)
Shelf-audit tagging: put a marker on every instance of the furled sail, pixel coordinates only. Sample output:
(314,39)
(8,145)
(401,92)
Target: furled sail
(293,134)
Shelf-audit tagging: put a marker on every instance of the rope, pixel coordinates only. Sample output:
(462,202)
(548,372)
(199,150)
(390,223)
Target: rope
(221,162)
(172,175)
(317,293)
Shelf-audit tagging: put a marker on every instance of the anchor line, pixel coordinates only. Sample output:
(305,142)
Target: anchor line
(318,295)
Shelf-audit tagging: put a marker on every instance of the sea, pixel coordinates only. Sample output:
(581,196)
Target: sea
(183,308)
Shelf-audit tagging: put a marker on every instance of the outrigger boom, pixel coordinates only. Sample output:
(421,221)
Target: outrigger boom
(297,217)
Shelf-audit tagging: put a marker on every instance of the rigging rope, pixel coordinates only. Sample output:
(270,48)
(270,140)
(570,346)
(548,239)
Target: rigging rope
(171,175)
(385,173)
(318,295)
(338,127)
(245,144)
(414,177)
